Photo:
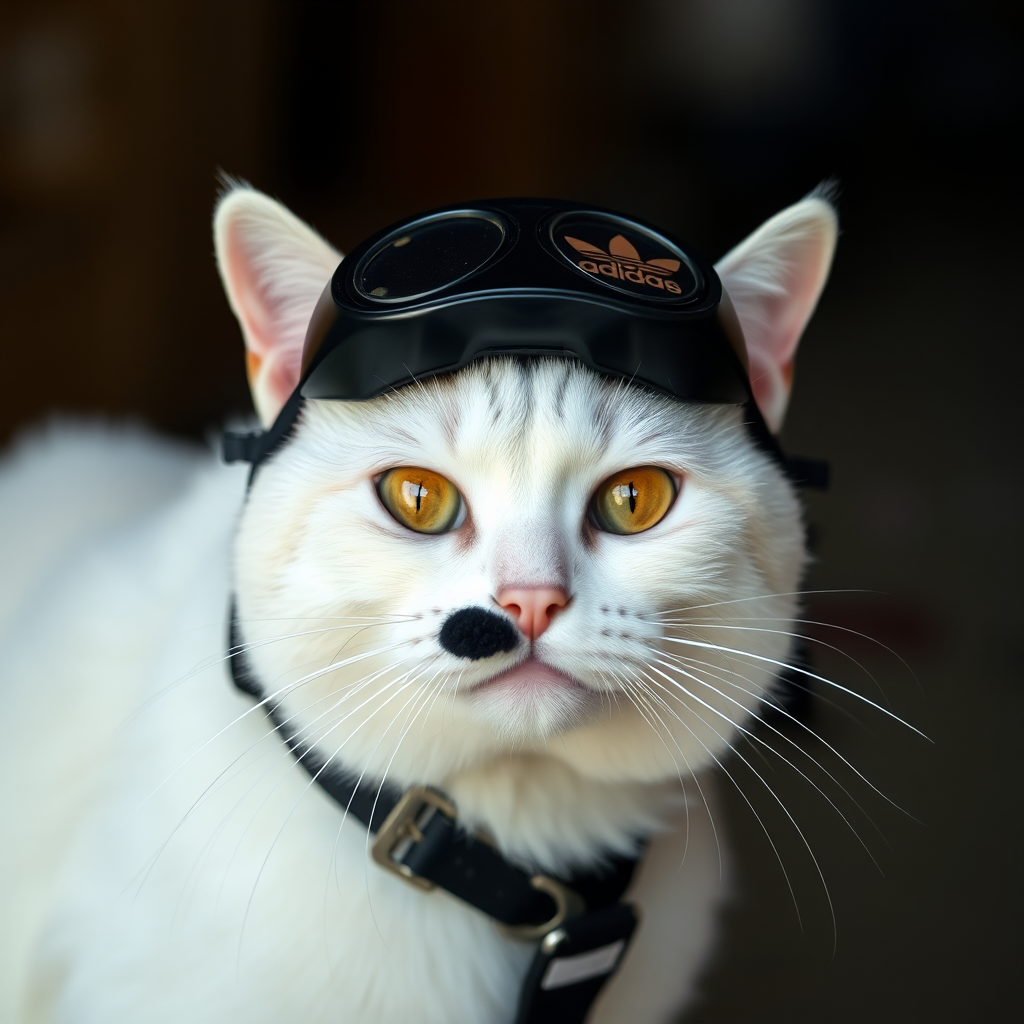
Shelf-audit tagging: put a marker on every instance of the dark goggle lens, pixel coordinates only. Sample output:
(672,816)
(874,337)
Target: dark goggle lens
(427,256)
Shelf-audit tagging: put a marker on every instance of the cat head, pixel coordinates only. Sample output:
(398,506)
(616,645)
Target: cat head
(524,559)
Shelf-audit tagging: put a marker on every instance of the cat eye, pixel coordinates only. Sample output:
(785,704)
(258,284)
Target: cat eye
(421,500)
(633,500)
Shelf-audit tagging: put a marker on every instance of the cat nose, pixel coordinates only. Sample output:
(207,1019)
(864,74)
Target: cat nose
(533,608)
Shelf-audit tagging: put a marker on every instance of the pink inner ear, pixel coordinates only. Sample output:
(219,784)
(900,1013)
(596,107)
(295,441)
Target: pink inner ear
(774,279)
(784,316)
(273,361)
(274,269)
(282,376)
(771,385)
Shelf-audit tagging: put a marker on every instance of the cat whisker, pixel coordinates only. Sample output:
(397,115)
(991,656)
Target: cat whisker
(626,688)
(450,694)
(269,700)
(775,594)
(311,738)
(768,695)
(309,734)
(437,690)
(730,746)
(425,694)
(625,683)
(215,784)
(696,664)
(411,681)
(208,846)
(759,597)
(373,619)
(820,623)
(313,779)
(220,659)
(802,671)
(721,766)
(783,632)
(353,688)
(754,738)
(406,679)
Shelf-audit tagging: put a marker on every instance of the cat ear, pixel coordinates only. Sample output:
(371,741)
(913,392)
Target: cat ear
(274,268)
(774,279)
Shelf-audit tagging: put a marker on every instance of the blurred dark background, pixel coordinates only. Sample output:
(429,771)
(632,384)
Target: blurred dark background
(706,116)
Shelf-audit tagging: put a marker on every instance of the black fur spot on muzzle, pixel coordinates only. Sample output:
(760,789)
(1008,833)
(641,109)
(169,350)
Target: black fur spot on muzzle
(474,633)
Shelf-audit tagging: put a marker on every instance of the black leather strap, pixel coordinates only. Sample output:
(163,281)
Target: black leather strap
(255,446)
(572,965)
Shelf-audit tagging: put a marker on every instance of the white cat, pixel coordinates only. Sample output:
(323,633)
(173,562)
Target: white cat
(165,858)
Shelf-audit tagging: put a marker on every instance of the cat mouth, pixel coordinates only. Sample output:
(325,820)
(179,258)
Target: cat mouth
(531,675)
(533,699)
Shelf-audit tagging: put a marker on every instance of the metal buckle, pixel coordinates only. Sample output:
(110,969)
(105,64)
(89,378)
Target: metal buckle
(403,827)
(568,904)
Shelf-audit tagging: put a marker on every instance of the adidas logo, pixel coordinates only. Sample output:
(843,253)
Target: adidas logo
(623,262)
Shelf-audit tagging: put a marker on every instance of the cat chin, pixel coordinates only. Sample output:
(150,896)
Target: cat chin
(532,700)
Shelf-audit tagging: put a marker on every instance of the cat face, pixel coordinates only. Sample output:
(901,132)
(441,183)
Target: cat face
(624,655)
(346,605)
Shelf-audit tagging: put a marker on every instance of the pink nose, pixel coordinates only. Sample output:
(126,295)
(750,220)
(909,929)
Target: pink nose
(533,608)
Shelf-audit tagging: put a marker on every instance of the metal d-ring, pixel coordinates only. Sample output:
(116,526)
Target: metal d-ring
(568,904)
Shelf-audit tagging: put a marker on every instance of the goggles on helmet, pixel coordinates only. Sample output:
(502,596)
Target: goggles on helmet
(521,277)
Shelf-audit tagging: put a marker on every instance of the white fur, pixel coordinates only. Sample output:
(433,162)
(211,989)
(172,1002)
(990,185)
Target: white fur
(167,860)
(116,475)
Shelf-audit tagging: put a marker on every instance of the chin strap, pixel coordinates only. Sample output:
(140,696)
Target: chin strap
(580,924)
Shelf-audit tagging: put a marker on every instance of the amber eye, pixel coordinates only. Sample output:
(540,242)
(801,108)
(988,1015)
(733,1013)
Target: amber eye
(420,499)
(633,500)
